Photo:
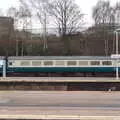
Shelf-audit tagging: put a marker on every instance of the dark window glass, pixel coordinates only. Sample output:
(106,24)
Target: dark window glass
(106,62)
(95,62)
(10,63)
(24,63)
(48,63)
(71,63)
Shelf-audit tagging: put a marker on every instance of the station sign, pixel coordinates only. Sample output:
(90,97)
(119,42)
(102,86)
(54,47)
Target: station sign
(115,56)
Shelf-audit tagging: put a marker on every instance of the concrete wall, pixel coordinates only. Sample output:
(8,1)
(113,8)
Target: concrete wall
(80,86)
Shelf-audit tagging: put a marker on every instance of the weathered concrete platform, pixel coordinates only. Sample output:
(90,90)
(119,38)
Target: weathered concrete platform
(57,105)
(60,83)
(58,79)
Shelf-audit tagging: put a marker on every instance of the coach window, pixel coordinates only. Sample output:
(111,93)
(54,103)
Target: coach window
(48,63)
(95,62)
(59,63)
(81,63)
(36,63)
(24,63)
(71,63)
(10,63)
(106,62)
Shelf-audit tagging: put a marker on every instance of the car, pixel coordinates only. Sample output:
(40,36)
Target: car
(60,64)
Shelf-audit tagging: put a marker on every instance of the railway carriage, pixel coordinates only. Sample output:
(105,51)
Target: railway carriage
(60,65)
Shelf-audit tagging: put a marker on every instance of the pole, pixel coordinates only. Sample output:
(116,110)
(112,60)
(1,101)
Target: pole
(4,68)
(117,59)
(116,43)
(45,32)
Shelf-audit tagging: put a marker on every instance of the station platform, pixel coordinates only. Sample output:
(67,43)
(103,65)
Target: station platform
(60,83)
(57,105)
(59,79)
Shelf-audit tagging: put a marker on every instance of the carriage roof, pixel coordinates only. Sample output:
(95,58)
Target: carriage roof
(60,58)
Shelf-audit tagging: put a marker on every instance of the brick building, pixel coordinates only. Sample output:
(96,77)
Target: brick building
(6,27)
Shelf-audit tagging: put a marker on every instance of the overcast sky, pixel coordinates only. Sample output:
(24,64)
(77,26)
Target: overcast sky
(85,5)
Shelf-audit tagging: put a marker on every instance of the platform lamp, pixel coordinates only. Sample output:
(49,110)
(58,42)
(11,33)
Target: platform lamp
(117,55)
(117,52)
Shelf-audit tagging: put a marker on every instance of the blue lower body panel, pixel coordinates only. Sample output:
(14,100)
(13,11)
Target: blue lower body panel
(61,69)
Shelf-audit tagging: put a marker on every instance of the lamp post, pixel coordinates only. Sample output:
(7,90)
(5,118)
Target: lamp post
(117,67)
(117,53)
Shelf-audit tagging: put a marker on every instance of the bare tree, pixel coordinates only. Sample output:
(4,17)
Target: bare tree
(117,13)
(40,10)
(68,18)
(25,21)
(66,15)
(103,12)
(41,7)
(22,18)
(103,15)
(13,12)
